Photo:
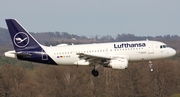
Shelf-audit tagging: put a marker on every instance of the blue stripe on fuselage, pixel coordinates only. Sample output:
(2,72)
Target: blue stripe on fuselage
(36,56)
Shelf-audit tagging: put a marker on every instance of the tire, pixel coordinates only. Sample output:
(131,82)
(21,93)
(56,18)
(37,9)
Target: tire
(95,73)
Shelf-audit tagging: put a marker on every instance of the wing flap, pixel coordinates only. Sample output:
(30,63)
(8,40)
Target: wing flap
(92,56)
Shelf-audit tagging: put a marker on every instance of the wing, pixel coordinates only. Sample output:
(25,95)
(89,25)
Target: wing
(92,58)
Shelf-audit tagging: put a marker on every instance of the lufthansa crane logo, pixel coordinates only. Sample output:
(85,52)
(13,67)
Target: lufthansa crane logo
(21,39)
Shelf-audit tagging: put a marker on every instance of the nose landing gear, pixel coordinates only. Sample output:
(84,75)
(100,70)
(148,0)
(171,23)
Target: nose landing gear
(150,65)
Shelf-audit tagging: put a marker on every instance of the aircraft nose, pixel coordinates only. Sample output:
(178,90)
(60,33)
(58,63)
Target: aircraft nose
(173,52)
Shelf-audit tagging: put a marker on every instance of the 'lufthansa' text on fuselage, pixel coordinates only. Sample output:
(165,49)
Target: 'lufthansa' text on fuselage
(127,45)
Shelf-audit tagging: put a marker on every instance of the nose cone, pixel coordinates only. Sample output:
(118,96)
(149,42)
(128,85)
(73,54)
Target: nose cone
(172,52)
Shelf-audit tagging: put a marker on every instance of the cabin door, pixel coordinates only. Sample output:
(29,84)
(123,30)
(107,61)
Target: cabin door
(44,55)
(106,51)
(150,48)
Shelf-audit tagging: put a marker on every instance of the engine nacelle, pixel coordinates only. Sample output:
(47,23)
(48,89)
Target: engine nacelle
(82,62)
(118,64)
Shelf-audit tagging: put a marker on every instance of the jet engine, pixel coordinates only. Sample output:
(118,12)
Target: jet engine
(118,63)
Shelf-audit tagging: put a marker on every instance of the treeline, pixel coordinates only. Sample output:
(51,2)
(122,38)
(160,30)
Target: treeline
(64,37)
(54,38)
(37,80)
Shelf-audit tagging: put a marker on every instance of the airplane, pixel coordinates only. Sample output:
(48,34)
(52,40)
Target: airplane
(115,55)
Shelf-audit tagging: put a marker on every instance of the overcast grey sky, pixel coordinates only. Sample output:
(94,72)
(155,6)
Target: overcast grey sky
(95,17)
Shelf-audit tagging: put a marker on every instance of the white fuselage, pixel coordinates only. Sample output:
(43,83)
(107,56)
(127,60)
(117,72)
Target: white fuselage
(67,54)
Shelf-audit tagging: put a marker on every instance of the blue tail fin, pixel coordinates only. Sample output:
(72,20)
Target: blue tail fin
(21,39)
(26,47)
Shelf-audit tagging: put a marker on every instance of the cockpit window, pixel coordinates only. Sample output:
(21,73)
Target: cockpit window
(163,46)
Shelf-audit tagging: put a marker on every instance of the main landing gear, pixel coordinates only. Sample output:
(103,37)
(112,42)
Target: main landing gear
(95,72)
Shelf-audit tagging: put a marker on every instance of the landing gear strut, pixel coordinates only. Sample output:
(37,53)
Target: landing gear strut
(150,65)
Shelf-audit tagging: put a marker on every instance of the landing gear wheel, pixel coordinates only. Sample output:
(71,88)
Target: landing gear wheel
(95,73)
(151,69)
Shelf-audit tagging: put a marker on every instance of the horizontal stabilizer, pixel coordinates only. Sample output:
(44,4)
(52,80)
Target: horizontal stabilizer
(13,54)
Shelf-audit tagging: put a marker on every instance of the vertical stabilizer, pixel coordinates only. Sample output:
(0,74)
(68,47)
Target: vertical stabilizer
(21,38)
(26,47)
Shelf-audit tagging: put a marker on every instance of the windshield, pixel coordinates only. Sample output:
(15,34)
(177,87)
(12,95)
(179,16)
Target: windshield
(163,46)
